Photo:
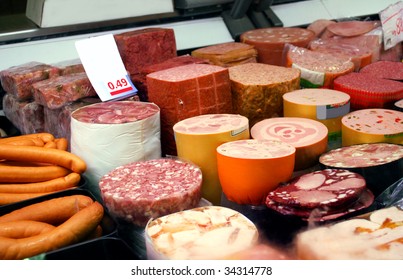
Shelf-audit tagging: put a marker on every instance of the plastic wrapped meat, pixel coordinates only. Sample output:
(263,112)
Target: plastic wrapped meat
(17,80)
(57,92)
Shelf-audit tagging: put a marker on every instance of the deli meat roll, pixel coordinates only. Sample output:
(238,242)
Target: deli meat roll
(139,191)
(321,195)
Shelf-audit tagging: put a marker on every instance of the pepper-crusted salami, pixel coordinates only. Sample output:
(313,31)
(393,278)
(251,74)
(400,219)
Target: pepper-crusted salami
(309,137)
(257,89)
(269,42)
(320,195)
(186,91)
(249,169)
(372,125)
(139,191)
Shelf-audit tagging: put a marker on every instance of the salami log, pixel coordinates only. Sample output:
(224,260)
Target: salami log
(367,91)
(391,70)
(257,89)
(249,169)
(126,131)
(187,91)
(378,237)
(324,105)
(144,190)
(198,137)
(269,42)
(210,232)
(369,160)
(371,126)
(321,195)
(309,137)
(318,70)
(227,54)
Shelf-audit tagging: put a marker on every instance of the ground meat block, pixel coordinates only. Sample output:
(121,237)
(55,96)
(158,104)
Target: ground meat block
(139,191)
(187,91)
(17,80)
(26,116)
(57,92)
(140,48)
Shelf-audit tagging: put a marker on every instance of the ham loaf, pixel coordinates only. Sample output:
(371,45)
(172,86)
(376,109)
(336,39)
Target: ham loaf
(309,137)
(371,126)
(144,190)
(269,42)
(249,169)
(257,89)
(186,91)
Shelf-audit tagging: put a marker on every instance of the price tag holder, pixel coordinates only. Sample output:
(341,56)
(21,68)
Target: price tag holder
(104,67)
(392,24)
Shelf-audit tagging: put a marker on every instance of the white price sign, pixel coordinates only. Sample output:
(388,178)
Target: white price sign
(104,67)
(392,24)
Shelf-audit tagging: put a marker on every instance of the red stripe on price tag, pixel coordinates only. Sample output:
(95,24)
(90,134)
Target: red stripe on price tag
(119,91)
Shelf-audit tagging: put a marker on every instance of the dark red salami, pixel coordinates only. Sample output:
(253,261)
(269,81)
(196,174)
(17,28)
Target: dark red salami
(142,190)
(391,70)
(321,194)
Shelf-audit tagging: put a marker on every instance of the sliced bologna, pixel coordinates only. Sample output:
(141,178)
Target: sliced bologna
(321,195)
(249,169)
(257,89)
(318,70)
(324,105)
(227,54)
(367,239)
(197,139)
(139,191)
(381,164)
(390,70)
(209,232)
(371,126)
(269,42)
(367,91)
(109,134)
(186,91)
(351,28)
(309,137)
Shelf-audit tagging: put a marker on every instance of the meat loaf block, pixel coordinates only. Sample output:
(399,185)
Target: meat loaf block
(378,236)
(57,92)
(250,169)
(258,88)
(372,126)
(203,233)
(140,80)
(17,80)
(321,195)
(143,47)
(318,70)
(187,91)
(144,190)
(309,137)
(370,160)
(391,70)
(362,50)
(197,139)
(324,105)
(269,42)
(227,54)
(367,91)
(26,116)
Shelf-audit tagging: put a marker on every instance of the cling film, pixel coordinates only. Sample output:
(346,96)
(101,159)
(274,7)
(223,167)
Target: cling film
(332,111)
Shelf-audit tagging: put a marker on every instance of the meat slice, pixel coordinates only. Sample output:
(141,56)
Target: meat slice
(144,190)
(319,26)
(187,91)
(321,195)
(18,80)
(352,28)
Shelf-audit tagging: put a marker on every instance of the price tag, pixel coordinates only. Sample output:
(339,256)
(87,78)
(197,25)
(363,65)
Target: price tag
(104,67)
(392,24)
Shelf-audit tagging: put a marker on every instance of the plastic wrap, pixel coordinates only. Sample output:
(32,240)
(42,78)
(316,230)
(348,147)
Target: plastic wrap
(318,70)
(70,66)
(18,80)
(57,92)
